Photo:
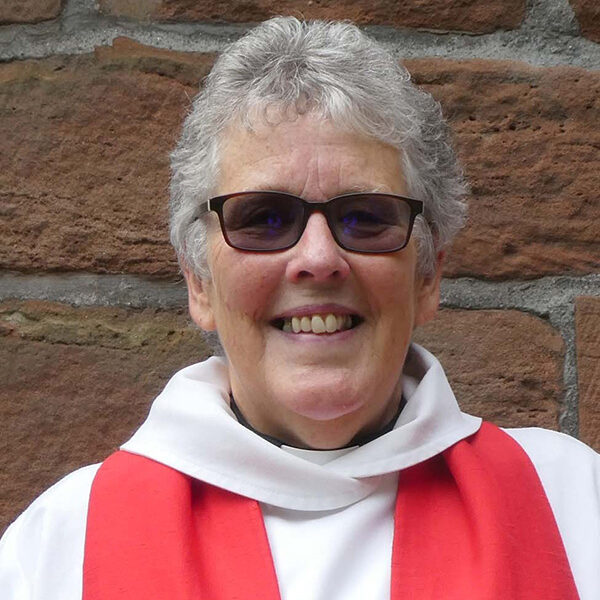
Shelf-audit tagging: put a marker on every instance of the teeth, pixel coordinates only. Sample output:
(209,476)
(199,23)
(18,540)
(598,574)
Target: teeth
(318,324)
(330,323)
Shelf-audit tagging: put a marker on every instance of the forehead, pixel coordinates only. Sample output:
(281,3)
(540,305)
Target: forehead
(307,156)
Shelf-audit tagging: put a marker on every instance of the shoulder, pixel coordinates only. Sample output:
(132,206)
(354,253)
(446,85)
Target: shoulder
(563,464)
(569,472)
(554,452)
(66,498)
(41,553)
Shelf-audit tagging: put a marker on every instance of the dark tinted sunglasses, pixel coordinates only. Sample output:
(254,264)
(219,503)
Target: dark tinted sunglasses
(265,221)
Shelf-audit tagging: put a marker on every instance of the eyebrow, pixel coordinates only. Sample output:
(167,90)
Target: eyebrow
(370,189)
(367,189)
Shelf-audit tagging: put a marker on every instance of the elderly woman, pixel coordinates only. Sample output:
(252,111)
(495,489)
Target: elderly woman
(323,457)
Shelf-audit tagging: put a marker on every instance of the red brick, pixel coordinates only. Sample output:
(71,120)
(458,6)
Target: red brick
(530,143)
(465,15)
(588,15)
(505,366)
(29,11)
(587,322)
(75,384)
(84,168)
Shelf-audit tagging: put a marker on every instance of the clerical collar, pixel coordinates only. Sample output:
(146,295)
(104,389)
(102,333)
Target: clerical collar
(358,440)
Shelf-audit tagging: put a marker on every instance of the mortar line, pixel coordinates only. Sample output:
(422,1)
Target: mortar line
(539,296)
(77,34)
(564,322)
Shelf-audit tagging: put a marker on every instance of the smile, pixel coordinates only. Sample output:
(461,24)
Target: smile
(317,323)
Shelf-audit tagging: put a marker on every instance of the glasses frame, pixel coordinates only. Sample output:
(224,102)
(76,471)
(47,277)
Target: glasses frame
(216,205)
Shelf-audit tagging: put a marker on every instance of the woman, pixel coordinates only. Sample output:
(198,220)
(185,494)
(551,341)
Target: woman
(314,191)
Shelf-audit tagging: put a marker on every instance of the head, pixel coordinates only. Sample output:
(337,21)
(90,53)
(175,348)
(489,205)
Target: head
(287,107)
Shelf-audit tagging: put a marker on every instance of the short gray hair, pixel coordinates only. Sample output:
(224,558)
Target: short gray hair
(334,70)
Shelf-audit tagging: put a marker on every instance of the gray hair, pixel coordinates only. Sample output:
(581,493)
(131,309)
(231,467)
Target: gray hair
(338,73)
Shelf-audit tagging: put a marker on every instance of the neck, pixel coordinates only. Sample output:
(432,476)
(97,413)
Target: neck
(362,437)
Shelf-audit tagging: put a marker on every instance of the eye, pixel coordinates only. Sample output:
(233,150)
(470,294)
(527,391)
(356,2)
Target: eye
(261,217)
(363,222)
(258,215)
(360,218)
(370,215)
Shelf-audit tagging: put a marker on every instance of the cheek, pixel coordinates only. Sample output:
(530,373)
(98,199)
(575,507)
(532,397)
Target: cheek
(392,291)
(244,284)
(389,281)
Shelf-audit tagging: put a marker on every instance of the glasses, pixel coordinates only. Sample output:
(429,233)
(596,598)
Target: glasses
(267,221)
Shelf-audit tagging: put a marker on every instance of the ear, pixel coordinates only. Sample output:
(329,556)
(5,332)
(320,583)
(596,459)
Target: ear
(428,295)
(199,303)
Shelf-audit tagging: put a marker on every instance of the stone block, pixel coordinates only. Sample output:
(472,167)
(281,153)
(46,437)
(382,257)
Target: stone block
(529,141)
(84,172)
(84,175)
(503,365)
(29,11)
(588,16)
(76,384)
(587,338)
(477,16)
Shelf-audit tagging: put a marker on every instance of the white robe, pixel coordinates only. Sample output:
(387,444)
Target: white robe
(328,514)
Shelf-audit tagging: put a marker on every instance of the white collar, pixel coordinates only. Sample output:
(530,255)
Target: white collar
(192,429)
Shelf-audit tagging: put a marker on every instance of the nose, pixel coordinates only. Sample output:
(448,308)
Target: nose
(317,256)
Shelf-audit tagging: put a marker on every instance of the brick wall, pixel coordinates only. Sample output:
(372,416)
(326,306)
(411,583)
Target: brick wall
(92,309)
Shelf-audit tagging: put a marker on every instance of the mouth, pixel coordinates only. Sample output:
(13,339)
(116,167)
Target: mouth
(318,323)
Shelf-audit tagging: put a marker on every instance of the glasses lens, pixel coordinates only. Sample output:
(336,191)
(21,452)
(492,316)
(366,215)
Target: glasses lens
(371,222)
(262,220)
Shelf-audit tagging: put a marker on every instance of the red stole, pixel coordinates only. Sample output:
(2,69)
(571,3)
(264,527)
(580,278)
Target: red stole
(471,524)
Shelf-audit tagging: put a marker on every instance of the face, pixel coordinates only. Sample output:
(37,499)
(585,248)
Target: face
(312,389)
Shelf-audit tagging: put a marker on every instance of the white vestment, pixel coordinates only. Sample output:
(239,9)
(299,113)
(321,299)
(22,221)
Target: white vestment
(328,514)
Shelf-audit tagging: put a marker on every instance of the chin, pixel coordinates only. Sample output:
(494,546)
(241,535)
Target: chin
(324,405)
